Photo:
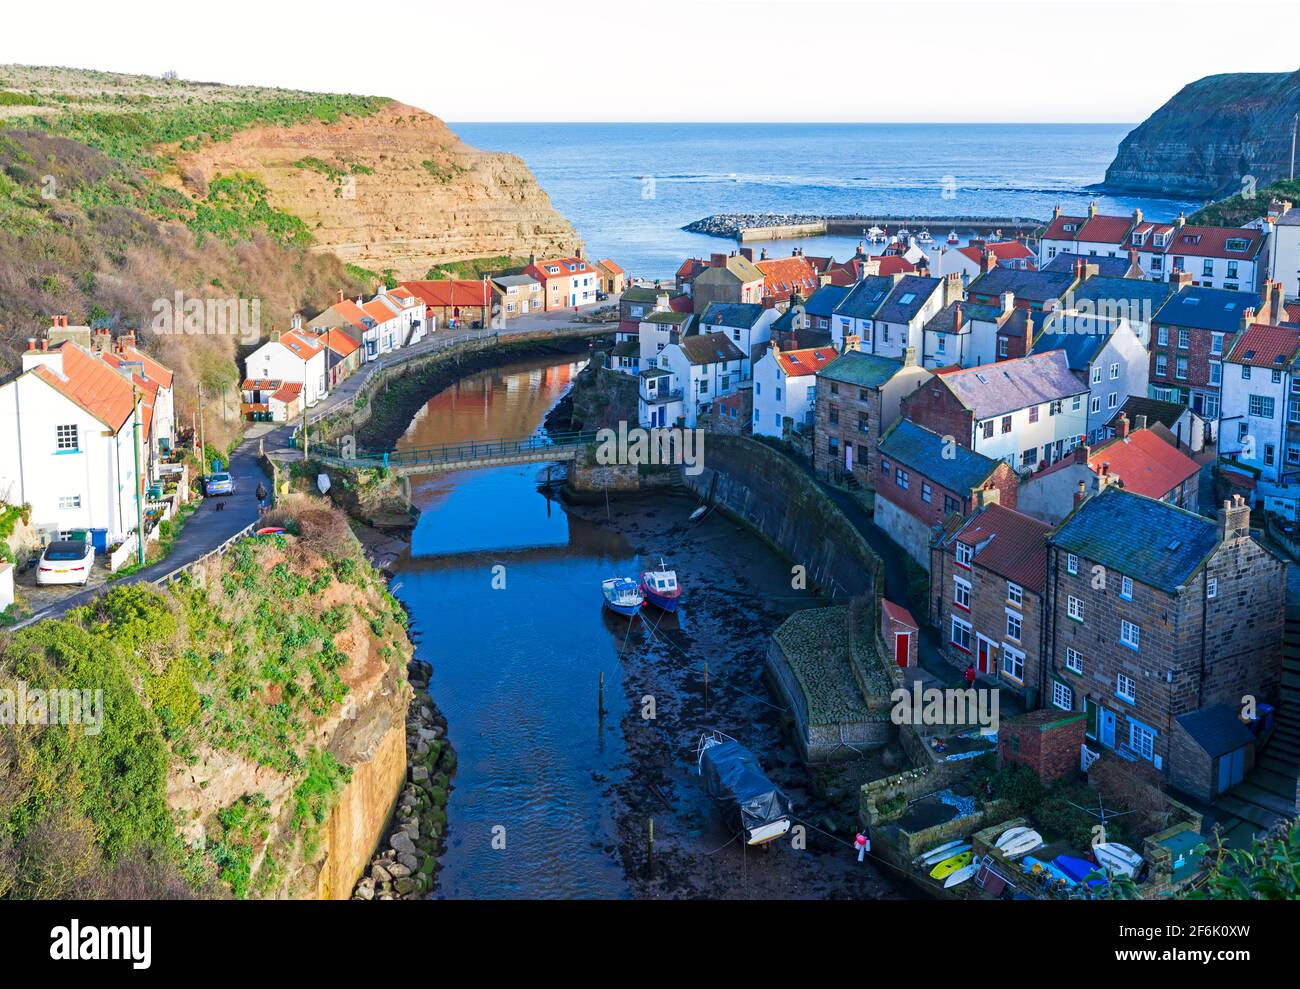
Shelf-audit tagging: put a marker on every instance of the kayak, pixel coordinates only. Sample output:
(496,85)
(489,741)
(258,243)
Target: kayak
(961,875)
(941,852)
(948,866)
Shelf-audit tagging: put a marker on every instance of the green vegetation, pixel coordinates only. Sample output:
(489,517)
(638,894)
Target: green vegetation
(227,667)
(472,268)
(1238,210)
(10,515)
(237,208)
(1268,870)
(443,173)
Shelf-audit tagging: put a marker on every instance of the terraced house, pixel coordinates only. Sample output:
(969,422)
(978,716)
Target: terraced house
(987,576)
(888,313)
(1261,402)
(566,282)
(1156,612)
(857,399)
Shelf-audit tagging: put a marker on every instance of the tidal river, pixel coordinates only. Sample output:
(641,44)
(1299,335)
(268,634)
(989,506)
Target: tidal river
(503,586)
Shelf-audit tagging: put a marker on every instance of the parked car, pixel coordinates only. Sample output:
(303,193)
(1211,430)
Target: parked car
(602,296)
(65,561)
(219,484)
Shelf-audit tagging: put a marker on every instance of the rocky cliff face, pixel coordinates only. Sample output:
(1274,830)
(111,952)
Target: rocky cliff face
(393,190)
(1212,138)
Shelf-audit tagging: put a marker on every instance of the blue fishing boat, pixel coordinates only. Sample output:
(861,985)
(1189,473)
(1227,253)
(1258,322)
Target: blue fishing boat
(660,587)
(622,595)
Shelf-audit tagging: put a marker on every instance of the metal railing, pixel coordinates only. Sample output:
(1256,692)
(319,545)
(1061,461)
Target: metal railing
(455,453)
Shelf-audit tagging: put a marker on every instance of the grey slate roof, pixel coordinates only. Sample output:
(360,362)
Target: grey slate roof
(996,389)
(824,300)
(1165,413)
(923,450)
(509,280)
(944,321)
(1134,298)
(866,297)
(1034,286)
(1207,309)
(710,348)
(1216,729)
(1081,349)
(739,314)
(1154,543)
(909,295)
(853,367)
(1106,266)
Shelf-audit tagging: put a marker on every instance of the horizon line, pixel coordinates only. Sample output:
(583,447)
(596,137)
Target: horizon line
(822,123)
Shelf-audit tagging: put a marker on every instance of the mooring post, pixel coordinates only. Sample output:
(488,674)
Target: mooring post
(600,696)
(706,686)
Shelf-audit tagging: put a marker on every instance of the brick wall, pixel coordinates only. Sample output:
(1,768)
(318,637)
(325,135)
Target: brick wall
(1047,741)
(935,407)
(847,406)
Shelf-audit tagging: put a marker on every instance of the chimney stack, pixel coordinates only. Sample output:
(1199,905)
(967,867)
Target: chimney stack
(1080,494)
(1121,426)
(1092,209)
(1180,279)
(1081,455)
(1181,221)
(852,342)
(988,261)
(717,260)
(1234,519)
(956,317)
(31,343)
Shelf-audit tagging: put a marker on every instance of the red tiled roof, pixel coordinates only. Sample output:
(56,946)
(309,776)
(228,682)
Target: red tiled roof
(339,342)
(1105,229)
(152,369)
(898,613)
(1056,229)
(288,391)
(797,363)
(1015,545)
(1263,345)
(260,384)
(353,313)
(610,266)
(1007,250)
(781,276)
(91,384)
(451,292)
(301,345)
(538,268)
(894,264)
(691,267)
(1145,463)
(1197,241)
(379,311)
(1293,312)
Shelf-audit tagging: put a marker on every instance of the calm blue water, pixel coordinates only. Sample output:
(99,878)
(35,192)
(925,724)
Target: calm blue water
(628,188)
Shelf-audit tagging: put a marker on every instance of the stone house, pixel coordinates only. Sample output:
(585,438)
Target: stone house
(613,279)
(517,295)
(858,396)
(1157,612)
(1193,331)
(922,479)
(702,368)
(730,278)
(1034,290)
(987,577)
(1024,411)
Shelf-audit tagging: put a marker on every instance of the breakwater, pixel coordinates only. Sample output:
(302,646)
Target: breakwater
(778,226)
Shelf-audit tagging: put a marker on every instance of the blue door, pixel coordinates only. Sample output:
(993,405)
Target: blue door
(1107,728)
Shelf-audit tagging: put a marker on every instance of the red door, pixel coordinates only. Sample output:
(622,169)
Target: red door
(984,657)
(902,647)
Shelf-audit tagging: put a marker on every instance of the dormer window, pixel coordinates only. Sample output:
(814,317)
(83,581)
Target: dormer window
(1235,244)
(1070,228)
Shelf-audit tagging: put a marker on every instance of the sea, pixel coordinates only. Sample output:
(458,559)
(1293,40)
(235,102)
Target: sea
(630,188)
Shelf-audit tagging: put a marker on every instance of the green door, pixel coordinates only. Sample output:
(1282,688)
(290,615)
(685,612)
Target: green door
(1090,706)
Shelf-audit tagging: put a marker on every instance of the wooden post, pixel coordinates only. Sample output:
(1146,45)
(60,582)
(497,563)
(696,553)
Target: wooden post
(600,696)
(706,686)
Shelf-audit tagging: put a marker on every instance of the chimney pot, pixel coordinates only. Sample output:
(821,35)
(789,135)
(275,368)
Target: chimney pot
(31,343)
(1121,426)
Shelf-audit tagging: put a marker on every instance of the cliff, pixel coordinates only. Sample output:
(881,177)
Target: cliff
(252,731)
(1212,138)
(393,190)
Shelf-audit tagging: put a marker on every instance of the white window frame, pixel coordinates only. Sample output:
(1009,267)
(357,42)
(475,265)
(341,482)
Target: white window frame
(1015,593)
(961,596)
(1071,564)
(1121,681)
(1012,659)
(966,627)
(1019,619)
(1126,588)
(1130,634)
(1073,660)
(1074,607)
(1062,696)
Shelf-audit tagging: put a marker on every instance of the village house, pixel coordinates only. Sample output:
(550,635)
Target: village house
(729,278)
(659,328)
(567,283)
(888,314)
(966,334)
(1284,247)
(1095,234)
(638,300)
(296,357)
(749,325)
(1192,333)
(612,279)
(1177,423)
(389,324)
(1111,299)
(970,261)
(410,310)
(1157,612)
(701,369)
(857,399)
(734,413)
(1107,356)
(342,356)
(1036,291)
(785,383)
(819,308)
(1025,411)
(517,295)
(348,317)
(784,277)
(921,479)
(625,355)
(686,272)
(1138,460)
(68,443)
(155,381)
(270,400)
(987,578)
(1229,258)
(1105,267)
(457,303)
(1260,402)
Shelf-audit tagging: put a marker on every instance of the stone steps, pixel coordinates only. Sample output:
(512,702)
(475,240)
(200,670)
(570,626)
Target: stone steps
(1253,813)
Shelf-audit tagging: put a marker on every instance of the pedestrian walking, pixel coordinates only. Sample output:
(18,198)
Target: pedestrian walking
(261,498)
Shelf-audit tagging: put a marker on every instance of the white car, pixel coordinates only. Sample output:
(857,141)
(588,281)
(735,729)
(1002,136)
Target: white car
(65,562)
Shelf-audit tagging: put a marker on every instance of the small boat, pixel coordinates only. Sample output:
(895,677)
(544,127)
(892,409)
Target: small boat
(941,852)
(950,865)
(660,587)
(1117,859)
(961,875)
(622,595)
(698,513)
(1019,844)
(270,530)
(924,237)
(953,238)
(876,236)
(735,779)
(1011,834)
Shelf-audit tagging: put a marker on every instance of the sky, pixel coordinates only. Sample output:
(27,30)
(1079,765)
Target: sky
(1110,61)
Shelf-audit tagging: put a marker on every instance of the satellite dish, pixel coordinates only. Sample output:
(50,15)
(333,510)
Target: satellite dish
(323,482)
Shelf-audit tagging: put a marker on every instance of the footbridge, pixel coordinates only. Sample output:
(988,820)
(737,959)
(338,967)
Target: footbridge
(461,456)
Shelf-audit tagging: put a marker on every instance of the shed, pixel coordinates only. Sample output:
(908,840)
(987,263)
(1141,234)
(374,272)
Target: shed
(900,632)
(1211,750)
